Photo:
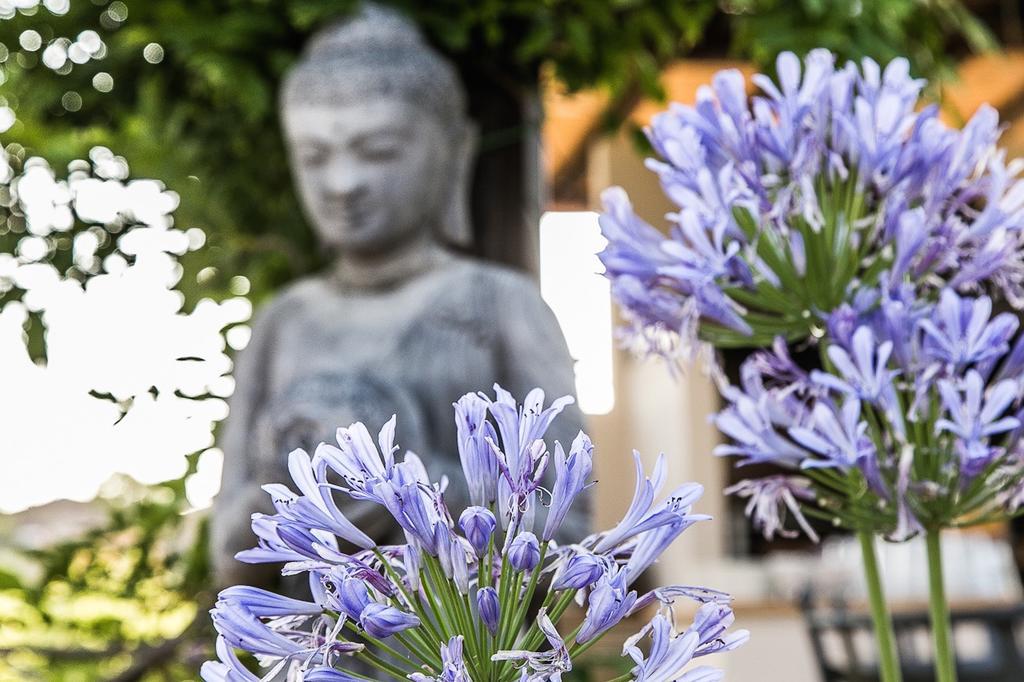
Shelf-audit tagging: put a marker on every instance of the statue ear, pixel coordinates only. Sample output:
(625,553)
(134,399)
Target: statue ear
(457,228)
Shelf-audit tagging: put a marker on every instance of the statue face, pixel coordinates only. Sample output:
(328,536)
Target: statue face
(371,175)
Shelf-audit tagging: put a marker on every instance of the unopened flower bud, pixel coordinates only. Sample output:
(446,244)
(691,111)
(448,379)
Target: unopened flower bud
(524,552)
(490,610)
(478,524)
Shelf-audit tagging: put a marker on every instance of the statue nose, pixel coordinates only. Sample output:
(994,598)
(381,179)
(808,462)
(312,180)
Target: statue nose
(344,181)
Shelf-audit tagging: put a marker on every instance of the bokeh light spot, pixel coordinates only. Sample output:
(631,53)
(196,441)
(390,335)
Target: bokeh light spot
(238,336)
(103,81)
(90,41)
(196,238)
(78,54)
(153,53)
(71,101)
(7,119)
(58,7)
(55,56)
(239,285)
(30,40)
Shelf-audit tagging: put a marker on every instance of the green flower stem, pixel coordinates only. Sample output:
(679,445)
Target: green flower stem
(419,648)
(888,659)
(484,569)
(453,613)
(414,604)
(945,661)
(382,665)
(508,628)
(446,626)
(624,677)
(580,649)
(534,635)
(353,674)
(381,645)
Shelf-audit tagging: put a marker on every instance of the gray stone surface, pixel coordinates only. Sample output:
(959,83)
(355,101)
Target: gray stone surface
(399,324)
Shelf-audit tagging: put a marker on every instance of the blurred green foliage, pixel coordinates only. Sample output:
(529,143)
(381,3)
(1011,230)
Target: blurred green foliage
(193,104)
(125,601)
(881,29)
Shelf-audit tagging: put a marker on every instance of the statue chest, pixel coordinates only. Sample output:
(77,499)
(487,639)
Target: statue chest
(338,358)
(417,337)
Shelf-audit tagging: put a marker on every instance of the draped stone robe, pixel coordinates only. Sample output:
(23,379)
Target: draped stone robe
(323,357)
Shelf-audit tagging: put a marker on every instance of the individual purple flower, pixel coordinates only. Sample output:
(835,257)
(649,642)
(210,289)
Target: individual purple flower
(522,454)
(839,440)
(282,540)
(227,667)
(670,655)
(241,628)
(712,623)
(478,524)
(643,514)
(321,674)
(453,665)
(770,499)
(262,603)
(521,427)
(357,460)
(897,320)
(382,621)
(524,552)
(608,603)
(960,331)
(572,477)
(864,372)
(417,509)
(479,464)
(489,608)
(975,415)
(348,595)
(582,569)
(751,424)
(635,248)
(314,506)
(455,555)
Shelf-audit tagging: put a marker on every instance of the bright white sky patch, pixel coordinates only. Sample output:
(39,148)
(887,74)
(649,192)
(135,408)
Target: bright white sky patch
(123,359)
(581,300)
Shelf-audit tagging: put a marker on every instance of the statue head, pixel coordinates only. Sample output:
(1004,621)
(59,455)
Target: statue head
(379,141)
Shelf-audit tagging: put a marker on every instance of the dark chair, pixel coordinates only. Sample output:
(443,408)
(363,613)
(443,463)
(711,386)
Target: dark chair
(988,643)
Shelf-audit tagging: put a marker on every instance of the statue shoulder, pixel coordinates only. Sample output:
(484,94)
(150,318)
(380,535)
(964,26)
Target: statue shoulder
(511,298)
(496,279)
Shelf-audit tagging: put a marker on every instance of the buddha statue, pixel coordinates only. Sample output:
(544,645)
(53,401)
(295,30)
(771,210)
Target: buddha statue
(381,149)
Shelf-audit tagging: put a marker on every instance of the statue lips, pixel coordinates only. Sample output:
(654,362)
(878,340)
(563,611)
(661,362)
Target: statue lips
(348,218)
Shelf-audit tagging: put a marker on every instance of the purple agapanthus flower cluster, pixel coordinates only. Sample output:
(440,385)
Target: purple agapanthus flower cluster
(453,603)
(830,181)
(916,421)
